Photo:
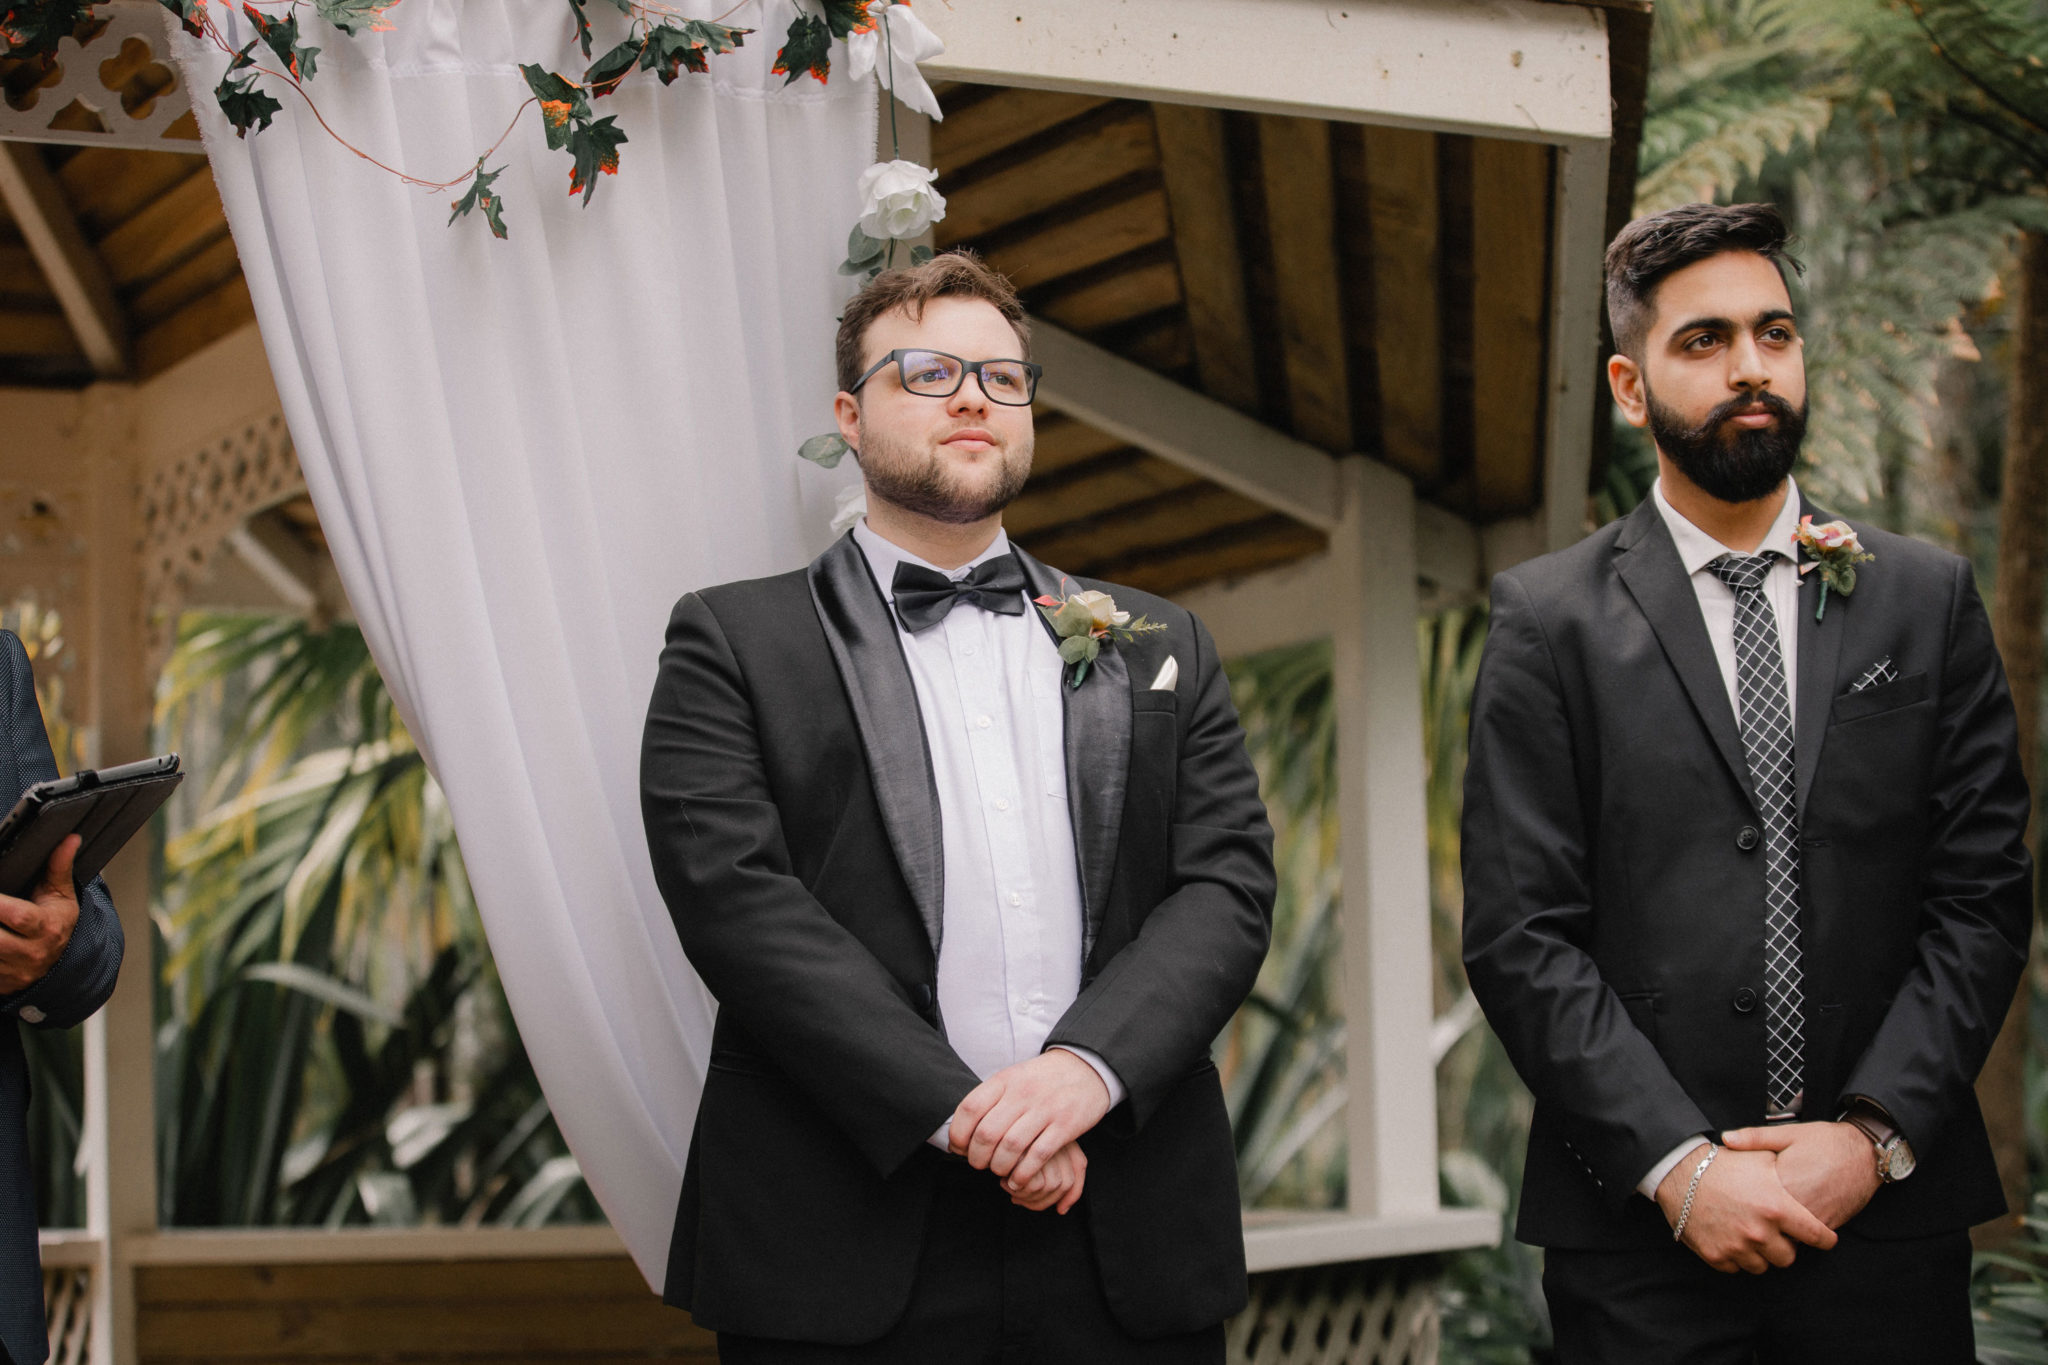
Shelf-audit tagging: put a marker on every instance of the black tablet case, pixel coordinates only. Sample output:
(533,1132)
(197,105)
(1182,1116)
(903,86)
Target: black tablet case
(105,814)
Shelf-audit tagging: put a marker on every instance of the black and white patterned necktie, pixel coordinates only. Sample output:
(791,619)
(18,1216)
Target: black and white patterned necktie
(1766,713)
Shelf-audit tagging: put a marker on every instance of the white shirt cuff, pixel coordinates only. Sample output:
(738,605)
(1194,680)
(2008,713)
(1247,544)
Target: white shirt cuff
(939,1139)
(1109,1078)
(1647,1186)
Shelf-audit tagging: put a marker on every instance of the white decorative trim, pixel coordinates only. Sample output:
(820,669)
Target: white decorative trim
(142,21)
(1281,1241)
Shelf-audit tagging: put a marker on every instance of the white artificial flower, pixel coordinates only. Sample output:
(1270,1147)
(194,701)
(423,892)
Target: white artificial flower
(853,505)
(897,200)
(908,42)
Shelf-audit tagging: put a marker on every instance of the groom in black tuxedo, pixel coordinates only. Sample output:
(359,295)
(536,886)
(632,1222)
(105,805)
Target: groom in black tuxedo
(973,912)
(1747,892)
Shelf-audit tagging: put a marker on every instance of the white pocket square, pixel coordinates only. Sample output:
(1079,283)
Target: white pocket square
(1169,674)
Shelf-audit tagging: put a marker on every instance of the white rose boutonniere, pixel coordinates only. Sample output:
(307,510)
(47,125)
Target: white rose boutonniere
(1085,622)
(1831,547)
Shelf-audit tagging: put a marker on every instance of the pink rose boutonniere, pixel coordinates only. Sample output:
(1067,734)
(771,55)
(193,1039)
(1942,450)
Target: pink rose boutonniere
(1832,548)
(1085,622)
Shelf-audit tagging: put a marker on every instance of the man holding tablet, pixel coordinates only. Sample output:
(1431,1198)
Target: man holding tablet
(60,951)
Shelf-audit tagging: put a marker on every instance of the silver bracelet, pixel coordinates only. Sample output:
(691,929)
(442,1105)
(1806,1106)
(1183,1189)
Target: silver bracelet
(1692,1190)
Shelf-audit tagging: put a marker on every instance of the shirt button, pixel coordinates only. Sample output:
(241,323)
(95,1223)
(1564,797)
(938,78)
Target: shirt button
(1002,803)
(30,1014)
(1016,899)
(982,721)
(967,649)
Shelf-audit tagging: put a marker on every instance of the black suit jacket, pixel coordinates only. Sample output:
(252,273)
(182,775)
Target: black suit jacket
(78,984)
(1614,905)
(794,825)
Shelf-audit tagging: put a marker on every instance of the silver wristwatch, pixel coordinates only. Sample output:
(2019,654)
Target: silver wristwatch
(1895,1159)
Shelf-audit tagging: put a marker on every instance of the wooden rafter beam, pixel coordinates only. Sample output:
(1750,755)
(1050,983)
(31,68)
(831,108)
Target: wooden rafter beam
(75,273)
(1196,167)
(1301,226)
(1192,430)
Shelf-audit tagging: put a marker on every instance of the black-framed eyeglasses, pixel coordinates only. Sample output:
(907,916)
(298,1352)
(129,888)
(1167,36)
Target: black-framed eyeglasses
(934,374)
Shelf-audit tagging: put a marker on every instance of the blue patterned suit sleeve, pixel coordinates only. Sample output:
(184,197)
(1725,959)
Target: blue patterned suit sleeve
(84,974)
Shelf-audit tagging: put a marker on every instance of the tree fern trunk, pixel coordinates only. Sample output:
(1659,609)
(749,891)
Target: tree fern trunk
(2016,621)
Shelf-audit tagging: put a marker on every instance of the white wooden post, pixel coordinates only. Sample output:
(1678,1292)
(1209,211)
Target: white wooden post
(1383,846)
(120,1092)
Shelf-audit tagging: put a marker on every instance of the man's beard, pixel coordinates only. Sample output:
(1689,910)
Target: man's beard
(919,481)
(1743,466)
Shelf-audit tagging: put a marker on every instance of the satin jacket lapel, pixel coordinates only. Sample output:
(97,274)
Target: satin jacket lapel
(1820,660)
(1098,752)
(1649,565)
(865,645)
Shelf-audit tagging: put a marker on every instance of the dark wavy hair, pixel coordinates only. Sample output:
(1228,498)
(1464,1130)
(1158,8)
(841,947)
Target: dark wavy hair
(1655,245)
(957,274)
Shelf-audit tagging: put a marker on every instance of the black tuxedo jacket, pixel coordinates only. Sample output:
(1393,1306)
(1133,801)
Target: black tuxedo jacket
(794,825)
(1614,883)
(78,984)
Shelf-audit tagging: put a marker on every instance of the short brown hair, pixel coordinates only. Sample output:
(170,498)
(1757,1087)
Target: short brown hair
(1654,246)
(957,274)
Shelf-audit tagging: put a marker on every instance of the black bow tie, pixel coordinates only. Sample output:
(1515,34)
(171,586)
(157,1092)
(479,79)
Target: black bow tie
(924,596)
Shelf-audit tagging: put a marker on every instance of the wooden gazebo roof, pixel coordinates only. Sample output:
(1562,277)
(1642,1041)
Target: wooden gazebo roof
(1361,288)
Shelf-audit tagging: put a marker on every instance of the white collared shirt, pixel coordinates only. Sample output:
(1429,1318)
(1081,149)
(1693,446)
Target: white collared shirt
(1697,550)
(988,691)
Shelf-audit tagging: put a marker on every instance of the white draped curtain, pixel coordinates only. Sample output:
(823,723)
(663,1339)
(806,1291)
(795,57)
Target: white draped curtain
(523,451)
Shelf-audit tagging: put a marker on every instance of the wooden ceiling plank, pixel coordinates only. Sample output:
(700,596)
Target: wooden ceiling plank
(1221,553)
(171,228)
(207,269)
(75,272)
(1400,169)
(1002,120)
(1191,429)
(1097,155)
(1510,288)
(1060,441)
(1047,510)
(206,319)
(24,333)
(1115,298)
(1301,227)
(1071,242)
(109,185)
(1169,518)
(1194,161)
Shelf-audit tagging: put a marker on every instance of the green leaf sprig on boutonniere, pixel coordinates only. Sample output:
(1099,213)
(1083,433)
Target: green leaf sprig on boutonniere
(1085,622)
(1831,547)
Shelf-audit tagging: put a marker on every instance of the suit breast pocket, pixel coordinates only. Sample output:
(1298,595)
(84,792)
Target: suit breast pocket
(1880,700)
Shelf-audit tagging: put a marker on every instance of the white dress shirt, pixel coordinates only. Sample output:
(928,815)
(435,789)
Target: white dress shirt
(1697,550)
(988,691)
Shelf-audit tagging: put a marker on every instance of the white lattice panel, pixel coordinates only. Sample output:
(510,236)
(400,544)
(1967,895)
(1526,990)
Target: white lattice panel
(67,1303)
(1367,1313)
(122,78)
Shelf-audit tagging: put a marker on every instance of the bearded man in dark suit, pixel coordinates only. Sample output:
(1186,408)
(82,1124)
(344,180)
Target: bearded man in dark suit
(1747,890)
(975,889)
(60,952)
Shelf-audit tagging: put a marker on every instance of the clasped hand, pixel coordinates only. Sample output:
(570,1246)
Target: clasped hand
(1769,1188)
(1024,1124)
(34,932)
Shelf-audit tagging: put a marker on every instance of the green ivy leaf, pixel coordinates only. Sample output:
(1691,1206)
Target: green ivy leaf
(282,37)
(188,12)
(353,16)
(861,248)
(607,71)
(480,197)
(674,48)
(848,16)
(596,149)
(582,25)
(827,450)
(562,106)
(246,106)
(807,47)
(920,254)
